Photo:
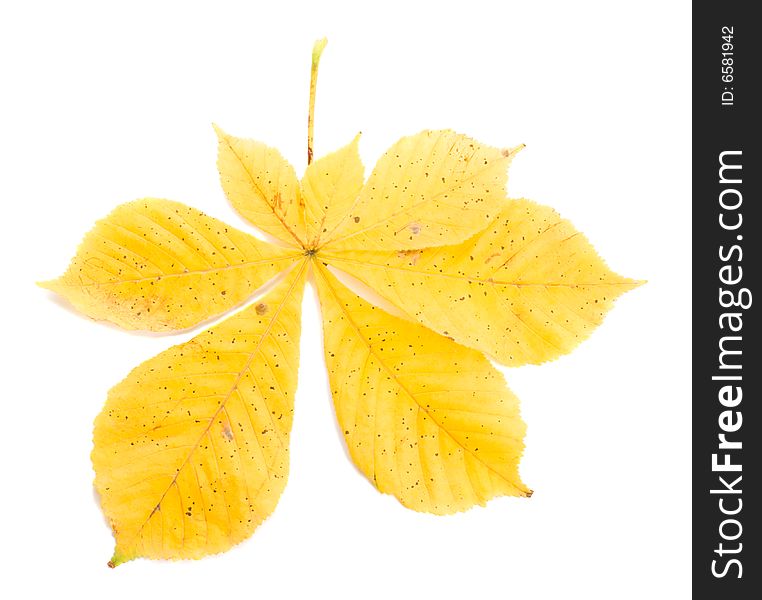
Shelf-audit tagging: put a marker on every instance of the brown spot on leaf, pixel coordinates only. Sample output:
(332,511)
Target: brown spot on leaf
(261,308)
(410,255)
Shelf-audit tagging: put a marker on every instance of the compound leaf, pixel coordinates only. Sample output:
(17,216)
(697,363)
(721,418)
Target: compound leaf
(191,449)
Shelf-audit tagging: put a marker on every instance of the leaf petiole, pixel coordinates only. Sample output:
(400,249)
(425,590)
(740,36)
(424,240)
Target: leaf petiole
(317,51)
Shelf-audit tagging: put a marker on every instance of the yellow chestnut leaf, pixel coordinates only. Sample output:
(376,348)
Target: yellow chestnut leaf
(429,189)
(191,449)
(159,265)
(329,188)
(262,186)
(424,418)
(526,290)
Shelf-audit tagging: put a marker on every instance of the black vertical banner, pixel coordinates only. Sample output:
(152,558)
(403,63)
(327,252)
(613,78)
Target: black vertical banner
(727,300)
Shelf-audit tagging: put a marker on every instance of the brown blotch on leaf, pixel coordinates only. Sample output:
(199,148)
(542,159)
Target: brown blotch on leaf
(261,308)
(411,255)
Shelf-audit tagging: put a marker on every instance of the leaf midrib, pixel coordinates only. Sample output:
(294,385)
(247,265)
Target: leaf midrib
(338,258)
(184,274)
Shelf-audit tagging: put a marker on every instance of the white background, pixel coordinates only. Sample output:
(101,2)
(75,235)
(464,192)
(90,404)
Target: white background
(101,105)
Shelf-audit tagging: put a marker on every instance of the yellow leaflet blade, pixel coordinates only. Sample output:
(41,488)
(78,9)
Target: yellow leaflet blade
(329,188)
(191,449)
(425,419)
(159,265)
(526,290)
(429,189)
(262,186)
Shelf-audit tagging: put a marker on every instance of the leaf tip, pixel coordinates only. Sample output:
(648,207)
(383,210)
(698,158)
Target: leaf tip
(631,284)
(512,152)
(51,284)
(117,559)
(218,130)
